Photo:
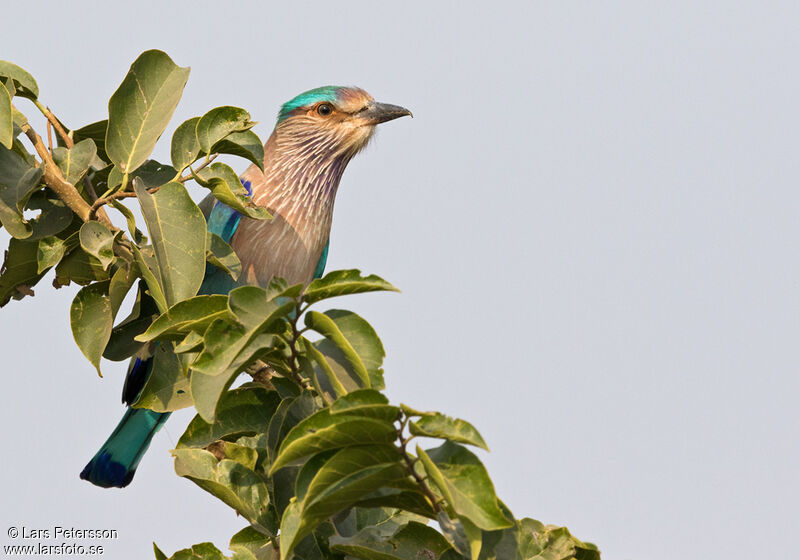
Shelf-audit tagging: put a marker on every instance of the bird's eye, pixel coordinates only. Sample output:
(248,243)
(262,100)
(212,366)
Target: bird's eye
(325,109)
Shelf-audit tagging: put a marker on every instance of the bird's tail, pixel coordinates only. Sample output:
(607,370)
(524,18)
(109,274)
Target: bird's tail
(115,464)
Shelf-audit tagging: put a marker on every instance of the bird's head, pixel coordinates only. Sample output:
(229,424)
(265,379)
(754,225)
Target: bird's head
(332,121)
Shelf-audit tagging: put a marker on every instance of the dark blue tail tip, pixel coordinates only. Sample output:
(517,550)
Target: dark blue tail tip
(102,471)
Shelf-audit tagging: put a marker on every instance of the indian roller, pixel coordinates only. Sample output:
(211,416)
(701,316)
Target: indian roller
(316,135)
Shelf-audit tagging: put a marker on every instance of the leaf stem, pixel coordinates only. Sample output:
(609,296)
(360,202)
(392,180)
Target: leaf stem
(193,172)
(294,364)
(117,195)
(409,461)
(51,118)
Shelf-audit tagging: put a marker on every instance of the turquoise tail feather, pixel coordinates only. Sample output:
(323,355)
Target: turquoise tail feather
(115,464)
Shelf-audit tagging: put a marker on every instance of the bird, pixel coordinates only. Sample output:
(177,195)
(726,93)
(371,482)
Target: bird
(316,135)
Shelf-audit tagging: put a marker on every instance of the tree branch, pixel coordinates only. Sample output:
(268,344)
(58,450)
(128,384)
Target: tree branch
(96,207)
(53,178)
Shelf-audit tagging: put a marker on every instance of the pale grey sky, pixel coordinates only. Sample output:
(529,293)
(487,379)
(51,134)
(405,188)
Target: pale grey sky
(592,217)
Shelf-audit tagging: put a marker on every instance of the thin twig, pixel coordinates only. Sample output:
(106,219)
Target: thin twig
(67,139)
(117,195)
(49,137)
(51,118)
(193,172)
(294,364)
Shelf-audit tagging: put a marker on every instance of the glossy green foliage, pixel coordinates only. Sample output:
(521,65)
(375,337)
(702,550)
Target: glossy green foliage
(292,431)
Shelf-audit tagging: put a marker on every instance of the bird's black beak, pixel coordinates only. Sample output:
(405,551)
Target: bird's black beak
(376,113)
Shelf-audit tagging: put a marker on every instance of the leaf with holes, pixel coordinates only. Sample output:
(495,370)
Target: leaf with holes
(98,241)
(167,385)
(24,83)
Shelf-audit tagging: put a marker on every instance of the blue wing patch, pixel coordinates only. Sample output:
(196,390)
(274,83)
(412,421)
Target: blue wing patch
(323,259)
(223,220)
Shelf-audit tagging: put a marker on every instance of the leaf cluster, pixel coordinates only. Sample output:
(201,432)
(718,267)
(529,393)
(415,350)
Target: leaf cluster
(309,451)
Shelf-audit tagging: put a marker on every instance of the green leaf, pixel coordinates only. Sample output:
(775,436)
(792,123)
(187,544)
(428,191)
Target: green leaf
(245,410)
(138,237)
(141,108)
(121,282)
(453,429)
(185,148)
(97,133)
(230,481)
(190,315)
(413,540)
(159,555)
(350,474)
(226,187)
(54,218)
(221,255)
(202,551)
(6,119)
(219,123)
(338,482)
(463,481)
(324,431)
(18,181)
(23,81)
(465,537)
(50,252)
(98,241)
(74,162)
(192,342)
(91,319)
(366,402)
(167,385)
(19,271)
(244,144)
(410,500)
(531,540)
(252,545)
(345,282)
(148,267)
(81,268)
(122,345)
(314,356)
(230,347)
(355,339)
(178,231)
(151,173)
